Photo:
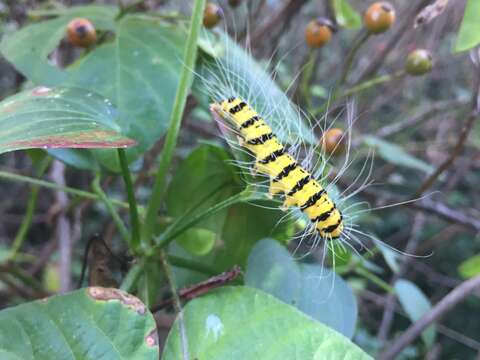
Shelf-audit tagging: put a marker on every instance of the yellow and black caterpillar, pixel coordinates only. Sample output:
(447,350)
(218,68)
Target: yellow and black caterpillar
(298,185)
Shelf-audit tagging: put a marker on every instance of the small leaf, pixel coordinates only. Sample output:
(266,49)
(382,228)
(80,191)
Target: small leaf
(59,118)
(315,290)
(470,267)
(415,304)
(197,241)
(238,323)
(93,323)
(469,34)
(345,15)
(396,155)
(203,179)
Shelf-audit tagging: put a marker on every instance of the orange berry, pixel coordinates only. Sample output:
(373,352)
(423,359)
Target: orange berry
(333,141)
(379,17)
(318,32)
(211,15)
(81,32)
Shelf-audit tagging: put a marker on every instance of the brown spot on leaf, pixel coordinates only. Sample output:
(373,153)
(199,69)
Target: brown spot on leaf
(152,338)
(107,294)
(86,140)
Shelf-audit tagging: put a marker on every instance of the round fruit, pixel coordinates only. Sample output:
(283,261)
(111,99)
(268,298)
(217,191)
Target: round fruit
(81,32)
(379,17)
(418,62)
(333,141)
(211,15)
(318,32)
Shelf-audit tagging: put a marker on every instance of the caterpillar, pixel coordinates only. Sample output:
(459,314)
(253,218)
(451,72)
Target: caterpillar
(283,142)
(287,176)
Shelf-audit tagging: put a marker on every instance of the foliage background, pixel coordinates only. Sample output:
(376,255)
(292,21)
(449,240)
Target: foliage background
(429,110)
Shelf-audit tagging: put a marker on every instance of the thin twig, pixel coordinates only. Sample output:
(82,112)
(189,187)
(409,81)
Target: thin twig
(462,138)
(390,304)
(176,303)
(439,310)
(63,228)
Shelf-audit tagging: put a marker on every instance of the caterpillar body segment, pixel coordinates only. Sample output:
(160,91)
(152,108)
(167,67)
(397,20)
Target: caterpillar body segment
(287,177)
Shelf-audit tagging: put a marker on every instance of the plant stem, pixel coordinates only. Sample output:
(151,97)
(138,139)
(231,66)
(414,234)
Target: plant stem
(53,186)
(375,279)
(362,39)
(130,281)
(373,82)
(175,230)
(134,219)
(176,304)
(191,265)
(307,77)
(27,219)
(116,218)
(189,58)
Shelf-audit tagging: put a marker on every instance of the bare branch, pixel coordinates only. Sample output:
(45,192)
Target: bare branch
(439,310)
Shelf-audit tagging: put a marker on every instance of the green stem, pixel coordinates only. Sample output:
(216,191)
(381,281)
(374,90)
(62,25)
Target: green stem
(23,276)
(192,265)
(31,205)
(176,304)
(362,39)
(176,229)
(373,82)
(129,283)
(189,58)
(134,219)
(53,186)
(113,212)
(307,77)
(349,61)
(375,279)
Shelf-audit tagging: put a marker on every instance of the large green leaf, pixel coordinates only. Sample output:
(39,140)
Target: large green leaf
(245,323)
(59,118)
(315,290)
(93,323)
(469,34)
(415,304)
(28,49)
(138,70)
(205,178)
(345,15)
(396,155)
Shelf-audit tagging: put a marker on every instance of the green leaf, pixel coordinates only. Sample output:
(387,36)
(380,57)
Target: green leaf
(396,155)
(313,289)
(93,323)
(245,323)
(197,241)
(415,304)
(345,15)
(239,236)
(469,34)
(203,179)
(28,49)
(470,267)
(59,118)
(138,70)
